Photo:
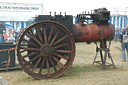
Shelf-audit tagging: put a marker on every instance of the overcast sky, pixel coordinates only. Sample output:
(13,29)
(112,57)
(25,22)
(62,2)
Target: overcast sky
(74,7)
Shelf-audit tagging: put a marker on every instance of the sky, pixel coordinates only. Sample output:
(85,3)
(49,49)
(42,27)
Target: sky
(74,7)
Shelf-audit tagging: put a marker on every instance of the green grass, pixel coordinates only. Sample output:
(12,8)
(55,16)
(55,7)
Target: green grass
(82,72)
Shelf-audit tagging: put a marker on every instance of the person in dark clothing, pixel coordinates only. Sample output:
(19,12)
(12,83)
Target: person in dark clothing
(123,45)
(15,35)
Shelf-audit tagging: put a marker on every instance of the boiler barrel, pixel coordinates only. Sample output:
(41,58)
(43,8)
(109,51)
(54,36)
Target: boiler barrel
(92,32)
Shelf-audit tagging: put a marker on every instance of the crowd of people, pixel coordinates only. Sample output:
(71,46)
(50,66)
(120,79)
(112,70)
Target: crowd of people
(11,36)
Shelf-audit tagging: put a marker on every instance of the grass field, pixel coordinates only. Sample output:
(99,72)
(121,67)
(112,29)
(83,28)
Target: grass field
(82,72)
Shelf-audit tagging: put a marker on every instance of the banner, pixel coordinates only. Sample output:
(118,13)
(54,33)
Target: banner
(19,11)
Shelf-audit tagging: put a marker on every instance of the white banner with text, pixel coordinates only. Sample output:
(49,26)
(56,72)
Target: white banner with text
(19,11)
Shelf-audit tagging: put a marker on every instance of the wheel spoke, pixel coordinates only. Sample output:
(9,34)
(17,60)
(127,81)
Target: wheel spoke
(42,65)
(62,45)
(60,56)
(38,33)
(31,32)
(33,49)
(36,64)
(58,61)
(24,60)
(60,40)
(63,51)
(31,54)
(28,35)
(47,63)
(45,35)
(53,64)
(35,39)
(29,42)
(23,51)
(34,58)
(55,37)
(50,34)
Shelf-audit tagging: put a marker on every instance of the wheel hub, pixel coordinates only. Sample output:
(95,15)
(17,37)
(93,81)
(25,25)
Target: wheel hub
(46,50)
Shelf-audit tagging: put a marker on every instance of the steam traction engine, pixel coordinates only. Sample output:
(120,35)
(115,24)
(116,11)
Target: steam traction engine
(46,49)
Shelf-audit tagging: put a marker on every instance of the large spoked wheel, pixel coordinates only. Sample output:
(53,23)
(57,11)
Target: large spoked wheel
(45,50)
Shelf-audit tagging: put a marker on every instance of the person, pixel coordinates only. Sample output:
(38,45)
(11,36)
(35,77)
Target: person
(117,34)
(123,45)
(10,36)
(20,30)
(0,38)
(126,28)
(15,35)
(5,36)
